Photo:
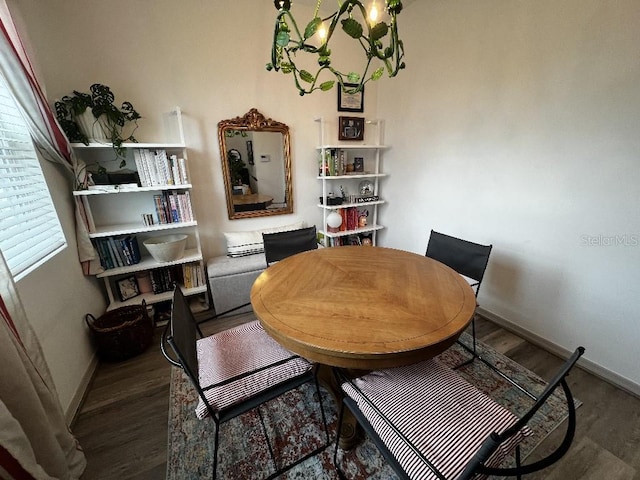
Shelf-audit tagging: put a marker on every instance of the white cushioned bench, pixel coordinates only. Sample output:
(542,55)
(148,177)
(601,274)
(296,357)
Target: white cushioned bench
(231,276)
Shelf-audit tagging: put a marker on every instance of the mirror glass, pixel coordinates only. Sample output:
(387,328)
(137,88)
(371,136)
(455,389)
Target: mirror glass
(256,164)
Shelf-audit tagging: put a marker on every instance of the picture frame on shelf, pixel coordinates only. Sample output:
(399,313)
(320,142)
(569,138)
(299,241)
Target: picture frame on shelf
(127,288)
(350,128)
(358,164)
(350,102)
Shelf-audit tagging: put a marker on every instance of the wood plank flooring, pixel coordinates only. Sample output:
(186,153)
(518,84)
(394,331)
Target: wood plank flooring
(122,425)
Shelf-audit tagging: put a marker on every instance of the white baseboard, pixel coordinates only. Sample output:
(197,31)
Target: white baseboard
(591,367)
(76,402)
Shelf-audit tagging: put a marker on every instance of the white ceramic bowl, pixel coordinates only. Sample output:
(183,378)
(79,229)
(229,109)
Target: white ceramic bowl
(166,248)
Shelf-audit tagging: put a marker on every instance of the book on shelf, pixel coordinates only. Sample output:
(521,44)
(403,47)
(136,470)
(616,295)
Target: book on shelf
(173,207)
(120,251)
(155,168)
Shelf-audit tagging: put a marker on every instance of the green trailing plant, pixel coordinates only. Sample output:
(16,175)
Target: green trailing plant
(108,116)
(289,41)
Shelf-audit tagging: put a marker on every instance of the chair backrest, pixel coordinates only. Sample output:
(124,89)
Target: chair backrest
(495,440)
(183,334)
(467,258)
(280,245)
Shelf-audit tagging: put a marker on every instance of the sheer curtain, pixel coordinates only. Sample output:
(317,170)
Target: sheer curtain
(35,442)
(34,439)
(48,139)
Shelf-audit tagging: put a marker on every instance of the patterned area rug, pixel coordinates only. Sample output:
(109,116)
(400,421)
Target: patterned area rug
(294,426)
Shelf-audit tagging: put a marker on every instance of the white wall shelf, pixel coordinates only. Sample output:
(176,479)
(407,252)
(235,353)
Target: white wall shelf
(334,161)
(115,211)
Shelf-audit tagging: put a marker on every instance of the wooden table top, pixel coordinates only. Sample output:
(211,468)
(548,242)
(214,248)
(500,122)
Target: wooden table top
(252,198)
(363,307)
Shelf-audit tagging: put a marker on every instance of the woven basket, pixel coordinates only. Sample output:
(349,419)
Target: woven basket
(121,333)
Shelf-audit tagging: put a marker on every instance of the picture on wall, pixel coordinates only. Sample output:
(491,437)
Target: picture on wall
(350,102)
(351,128)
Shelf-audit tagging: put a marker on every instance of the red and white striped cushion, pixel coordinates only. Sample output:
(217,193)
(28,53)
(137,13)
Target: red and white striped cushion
(442,415)
(237,351)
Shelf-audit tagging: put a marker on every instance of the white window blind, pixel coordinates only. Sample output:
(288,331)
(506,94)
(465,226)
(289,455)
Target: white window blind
(30,231)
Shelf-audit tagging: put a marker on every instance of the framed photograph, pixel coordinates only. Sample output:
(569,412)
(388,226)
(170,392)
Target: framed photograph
(127,288)
(350,128)
(358,164)
(250,152)
(350,102)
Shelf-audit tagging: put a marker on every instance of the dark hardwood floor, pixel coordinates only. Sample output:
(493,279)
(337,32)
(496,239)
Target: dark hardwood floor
(122,425)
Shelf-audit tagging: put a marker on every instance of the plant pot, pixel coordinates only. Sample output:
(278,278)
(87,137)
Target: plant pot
(95,129)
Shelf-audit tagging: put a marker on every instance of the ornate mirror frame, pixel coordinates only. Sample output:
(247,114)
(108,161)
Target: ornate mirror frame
(254,121)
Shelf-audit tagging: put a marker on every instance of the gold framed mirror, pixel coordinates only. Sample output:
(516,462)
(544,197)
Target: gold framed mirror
(256,166)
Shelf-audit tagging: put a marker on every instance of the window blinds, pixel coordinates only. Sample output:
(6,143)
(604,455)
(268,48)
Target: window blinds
(30,231)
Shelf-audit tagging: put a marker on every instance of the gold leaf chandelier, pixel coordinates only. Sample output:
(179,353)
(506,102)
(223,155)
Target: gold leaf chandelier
(379,40)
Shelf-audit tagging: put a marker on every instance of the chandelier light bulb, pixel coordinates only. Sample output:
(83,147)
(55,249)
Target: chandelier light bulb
(322,33)
(374,13)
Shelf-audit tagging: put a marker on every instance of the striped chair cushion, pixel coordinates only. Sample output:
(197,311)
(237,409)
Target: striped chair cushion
(239,351)
(441,414)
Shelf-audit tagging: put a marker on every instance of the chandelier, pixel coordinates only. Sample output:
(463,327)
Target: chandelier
(379,39)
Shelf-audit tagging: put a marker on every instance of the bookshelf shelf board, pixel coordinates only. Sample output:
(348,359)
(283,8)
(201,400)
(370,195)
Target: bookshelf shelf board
(111,189)
(347,205)
(350,146)
(151,298)
(112,230)
(148,263)
(353,175)
(129,145)
(370,228)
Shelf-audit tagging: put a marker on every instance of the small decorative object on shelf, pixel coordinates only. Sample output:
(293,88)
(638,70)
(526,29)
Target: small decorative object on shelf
(127,288)
(366,188)
(334,221)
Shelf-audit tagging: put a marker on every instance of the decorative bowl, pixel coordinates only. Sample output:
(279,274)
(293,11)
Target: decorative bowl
(166,248)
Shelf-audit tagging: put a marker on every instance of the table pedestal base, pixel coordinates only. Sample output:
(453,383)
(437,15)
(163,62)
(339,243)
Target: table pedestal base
(351,432)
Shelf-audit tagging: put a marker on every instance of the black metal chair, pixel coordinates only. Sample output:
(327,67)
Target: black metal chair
(470,260)
(429,423)
(467,258)
(280,245)
(235,371)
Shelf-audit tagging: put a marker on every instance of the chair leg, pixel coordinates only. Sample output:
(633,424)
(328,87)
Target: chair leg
(266,436)
(474,354)
(472,349)
(216,441)
(324,417)
(336,463)
(518,461)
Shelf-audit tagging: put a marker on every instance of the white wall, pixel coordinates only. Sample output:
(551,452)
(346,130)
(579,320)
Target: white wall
(516,124)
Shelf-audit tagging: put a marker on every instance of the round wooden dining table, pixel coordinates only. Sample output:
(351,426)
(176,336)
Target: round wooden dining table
(362,308)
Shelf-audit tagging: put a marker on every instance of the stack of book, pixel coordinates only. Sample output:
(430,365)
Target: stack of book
(119,251)
(190,275)
(156,168)
(173,207)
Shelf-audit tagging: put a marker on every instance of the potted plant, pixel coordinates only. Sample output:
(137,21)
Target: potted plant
(105,120)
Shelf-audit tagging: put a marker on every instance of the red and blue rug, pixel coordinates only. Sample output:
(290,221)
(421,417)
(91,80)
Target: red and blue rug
(294,427)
